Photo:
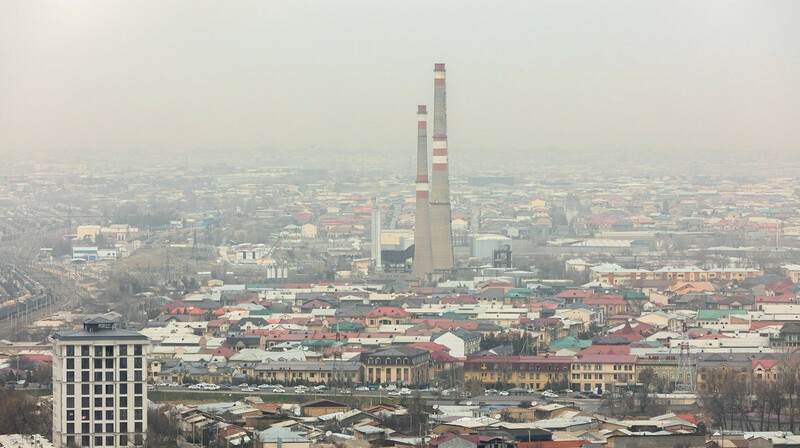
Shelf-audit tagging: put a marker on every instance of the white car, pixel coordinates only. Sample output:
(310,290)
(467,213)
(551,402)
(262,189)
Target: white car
(264,386)
(503,393)
(195,387)
(405,391)
(549,395)
(321,387)
(244,385)
(362,389)
(249,389)
(394,393)
(278,390)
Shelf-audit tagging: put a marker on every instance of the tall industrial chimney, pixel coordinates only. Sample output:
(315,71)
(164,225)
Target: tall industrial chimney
(441,221)
(423,259)
(375,240)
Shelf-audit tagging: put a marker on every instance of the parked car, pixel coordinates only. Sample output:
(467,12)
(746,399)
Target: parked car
(362,389)
(320,388)
(405,391)
(244,385)
(278,390)
(249,389)
(224,387)
(491,391)
(394,393)
(503,393)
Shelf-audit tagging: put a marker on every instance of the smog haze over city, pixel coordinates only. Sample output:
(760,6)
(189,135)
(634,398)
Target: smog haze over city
(208,81)
(427,224)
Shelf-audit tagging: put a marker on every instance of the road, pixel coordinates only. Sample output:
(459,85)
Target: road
(582,403)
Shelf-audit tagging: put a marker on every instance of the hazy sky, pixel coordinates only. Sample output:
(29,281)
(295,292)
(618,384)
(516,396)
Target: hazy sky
(182,76)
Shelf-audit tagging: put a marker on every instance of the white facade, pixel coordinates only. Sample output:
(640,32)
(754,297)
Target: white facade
(99,389)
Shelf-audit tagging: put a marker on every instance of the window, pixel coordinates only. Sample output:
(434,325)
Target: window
(98,402)
(70,402)
(85,352)
(109,350)
(84,389)
(137,388)
(137,363)
(98,363)
(70,376)
(110,402)
(123,440)
(137,375)
(137,427)
(137,401)
(98,376)
(85,427)
(85,376)
(123,402)
(109,389)
(98,440)
(98,389)
(98,351)
(109,363)
(84,402)
(123,389)
(70,414)
(109,376)
(123,426)
(70,389)
(123,415)
(70,363)
(137,415)
(85,412)
(109,415)
(84,363)
(123,350)
(137,350)
(98,427)
(123,363)
(110,440)
(70,440)
(98,415)
(85,440)
(123,376)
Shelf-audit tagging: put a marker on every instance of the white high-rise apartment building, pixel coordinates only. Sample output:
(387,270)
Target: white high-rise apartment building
(99,386)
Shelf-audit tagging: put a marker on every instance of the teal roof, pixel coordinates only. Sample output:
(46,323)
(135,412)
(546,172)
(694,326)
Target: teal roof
(319,342)
(347,326)
(524,291)
(634,295)
(452,315)
(260,313)
(718,314)
(571,342)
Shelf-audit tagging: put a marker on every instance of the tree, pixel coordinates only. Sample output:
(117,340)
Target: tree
(646,377)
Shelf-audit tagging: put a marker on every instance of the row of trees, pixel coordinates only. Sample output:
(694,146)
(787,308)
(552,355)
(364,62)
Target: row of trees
(22,413)
(735,400)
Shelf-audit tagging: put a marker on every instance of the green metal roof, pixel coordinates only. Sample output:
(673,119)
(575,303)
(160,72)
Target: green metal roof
(718,314)
(571,342)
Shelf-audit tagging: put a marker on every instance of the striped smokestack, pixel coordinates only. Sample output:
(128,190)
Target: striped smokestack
(441,221)
(423,260)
